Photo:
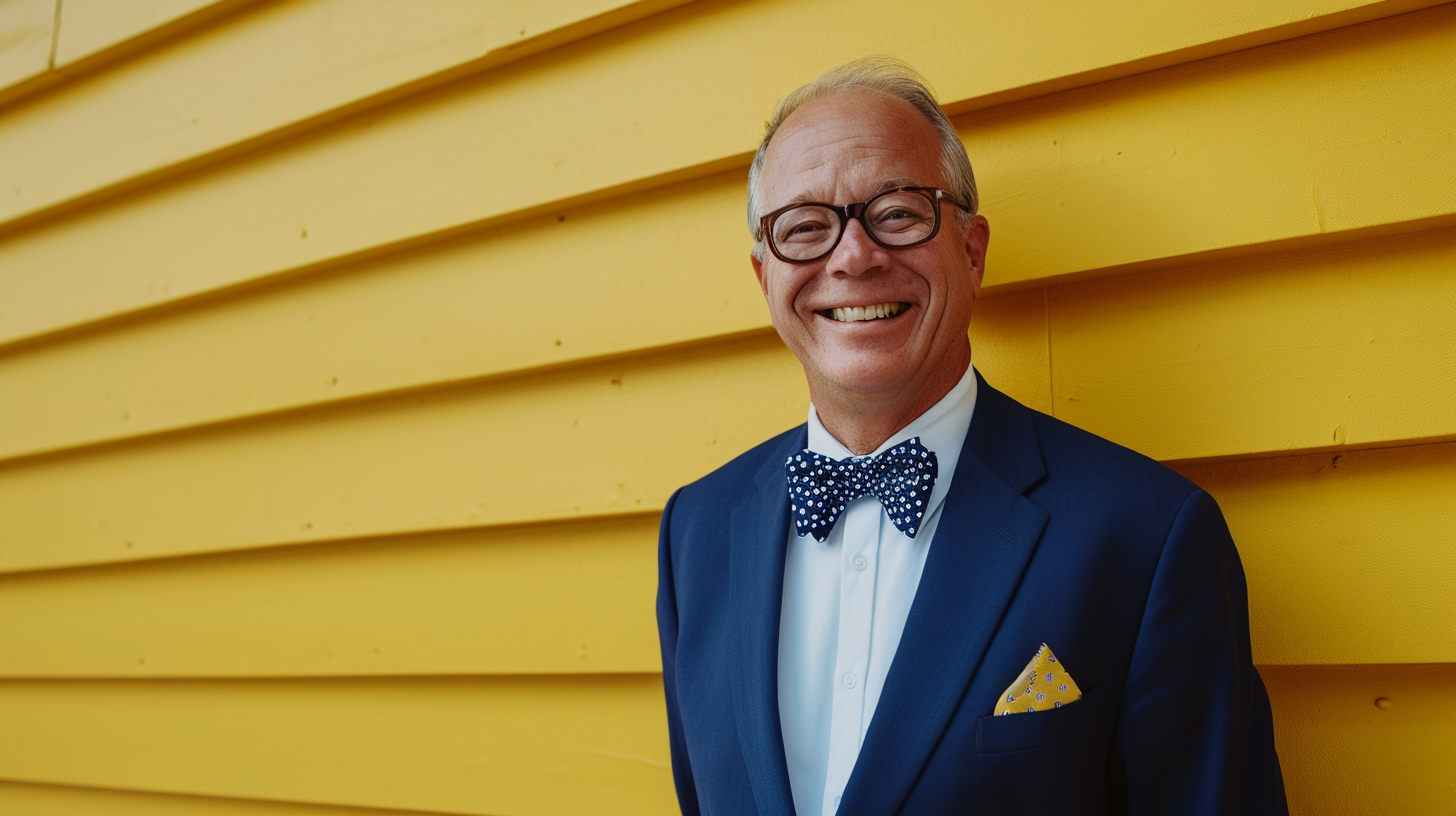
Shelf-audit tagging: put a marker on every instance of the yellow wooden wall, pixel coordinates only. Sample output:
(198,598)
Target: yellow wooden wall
(283,284)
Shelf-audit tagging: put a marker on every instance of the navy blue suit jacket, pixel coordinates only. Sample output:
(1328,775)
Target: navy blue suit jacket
(1049,534)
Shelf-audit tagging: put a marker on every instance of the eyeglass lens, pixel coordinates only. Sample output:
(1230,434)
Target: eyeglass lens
(898,219)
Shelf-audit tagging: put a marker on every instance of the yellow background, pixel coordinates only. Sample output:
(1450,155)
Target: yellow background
(349,350)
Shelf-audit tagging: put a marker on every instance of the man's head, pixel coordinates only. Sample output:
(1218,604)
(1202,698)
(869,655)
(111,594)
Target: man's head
(858,130)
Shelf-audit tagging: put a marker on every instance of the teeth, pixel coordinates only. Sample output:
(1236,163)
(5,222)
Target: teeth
(854,314)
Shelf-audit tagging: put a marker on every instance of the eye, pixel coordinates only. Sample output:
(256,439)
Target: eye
(898,218)
(906,214)
(804,225)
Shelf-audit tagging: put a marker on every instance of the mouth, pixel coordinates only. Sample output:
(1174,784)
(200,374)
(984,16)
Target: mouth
(856,314)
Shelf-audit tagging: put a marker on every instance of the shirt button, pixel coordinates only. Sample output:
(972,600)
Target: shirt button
(849,681)
(836,801)
(860,563)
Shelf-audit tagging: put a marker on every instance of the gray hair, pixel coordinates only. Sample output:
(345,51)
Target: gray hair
(890,77)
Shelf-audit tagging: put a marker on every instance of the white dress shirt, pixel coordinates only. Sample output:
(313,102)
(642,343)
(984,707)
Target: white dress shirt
(845,603)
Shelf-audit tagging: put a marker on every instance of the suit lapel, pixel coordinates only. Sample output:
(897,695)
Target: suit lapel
(987,534)
(758,540)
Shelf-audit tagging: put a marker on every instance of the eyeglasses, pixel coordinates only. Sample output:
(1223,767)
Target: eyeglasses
(898,218)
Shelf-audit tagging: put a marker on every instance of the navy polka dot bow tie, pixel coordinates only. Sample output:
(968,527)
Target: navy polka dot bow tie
(820,487)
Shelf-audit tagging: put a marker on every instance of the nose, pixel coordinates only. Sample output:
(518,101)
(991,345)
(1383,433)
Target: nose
(856,253)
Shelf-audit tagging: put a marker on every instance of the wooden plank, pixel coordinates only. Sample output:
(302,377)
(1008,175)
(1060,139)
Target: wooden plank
(1343,755)
(1351,345)
(92,26)
(509,745)
(1288,143)
(1347,555)
(26,32)
(67,800)
(575,133)
(554,599)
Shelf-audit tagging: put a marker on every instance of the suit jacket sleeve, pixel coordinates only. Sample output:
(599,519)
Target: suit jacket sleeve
(1195,734)
(667,620)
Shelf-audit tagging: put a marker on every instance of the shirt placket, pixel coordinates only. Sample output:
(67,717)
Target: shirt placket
(858,564)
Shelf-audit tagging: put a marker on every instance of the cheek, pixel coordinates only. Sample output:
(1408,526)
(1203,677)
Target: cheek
(784,292)
(781,299)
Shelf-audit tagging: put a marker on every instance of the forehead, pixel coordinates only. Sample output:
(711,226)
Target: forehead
(844,146)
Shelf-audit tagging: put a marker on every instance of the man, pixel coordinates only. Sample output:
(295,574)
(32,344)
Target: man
(846,609)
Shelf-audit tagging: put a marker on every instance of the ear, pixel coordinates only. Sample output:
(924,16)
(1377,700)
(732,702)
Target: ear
(978,237)
(758,273)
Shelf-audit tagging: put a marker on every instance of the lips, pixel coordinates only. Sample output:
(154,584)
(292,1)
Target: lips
(855,314)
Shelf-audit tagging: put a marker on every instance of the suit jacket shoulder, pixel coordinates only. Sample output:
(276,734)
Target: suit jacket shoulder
(1106,477)
(720,491)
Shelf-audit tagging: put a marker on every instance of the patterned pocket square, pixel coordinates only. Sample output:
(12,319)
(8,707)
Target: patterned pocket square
(1043,684)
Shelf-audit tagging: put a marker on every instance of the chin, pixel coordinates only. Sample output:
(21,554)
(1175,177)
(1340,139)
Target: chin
(865,377)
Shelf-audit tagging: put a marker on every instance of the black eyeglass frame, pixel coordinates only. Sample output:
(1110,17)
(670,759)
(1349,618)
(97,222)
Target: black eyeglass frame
(857,211)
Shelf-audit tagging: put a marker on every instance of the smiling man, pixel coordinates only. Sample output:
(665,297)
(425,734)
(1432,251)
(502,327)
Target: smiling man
(930,599)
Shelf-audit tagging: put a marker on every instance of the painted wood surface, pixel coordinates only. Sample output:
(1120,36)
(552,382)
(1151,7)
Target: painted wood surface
(562,744)
(270,326)
(89,27)
(72,800)
(649,103)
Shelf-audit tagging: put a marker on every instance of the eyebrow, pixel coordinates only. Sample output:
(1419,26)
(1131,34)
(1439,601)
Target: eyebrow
(895,182)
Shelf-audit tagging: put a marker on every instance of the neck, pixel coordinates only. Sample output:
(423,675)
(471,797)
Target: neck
(863,422)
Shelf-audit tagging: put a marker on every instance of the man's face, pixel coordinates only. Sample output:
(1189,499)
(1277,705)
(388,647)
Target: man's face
(844,148)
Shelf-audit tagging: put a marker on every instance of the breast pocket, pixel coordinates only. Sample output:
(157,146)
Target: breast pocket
(1039,729)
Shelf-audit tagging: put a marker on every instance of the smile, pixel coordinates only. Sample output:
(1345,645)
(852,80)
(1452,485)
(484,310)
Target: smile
(854,314)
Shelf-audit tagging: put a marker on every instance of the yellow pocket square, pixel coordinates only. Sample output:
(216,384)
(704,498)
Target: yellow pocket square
(1043,684)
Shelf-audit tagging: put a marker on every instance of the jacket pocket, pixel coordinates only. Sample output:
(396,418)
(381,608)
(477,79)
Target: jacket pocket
(1037,729)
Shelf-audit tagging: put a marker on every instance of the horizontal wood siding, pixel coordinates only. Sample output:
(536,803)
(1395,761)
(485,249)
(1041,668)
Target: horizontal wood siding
(283,283)
(522,744)
(70,800)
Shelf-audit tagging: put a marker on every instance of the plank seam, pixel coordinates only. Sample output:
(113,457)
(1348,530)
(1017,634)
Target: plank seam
(1313,240)
(1383,444)
(1046,320)
(383,538)
(363,809)
(55,37)
(264,679)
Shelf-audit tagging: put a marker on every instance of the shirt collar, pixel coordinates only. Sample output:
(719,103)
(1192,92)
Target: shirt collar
(942,429)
